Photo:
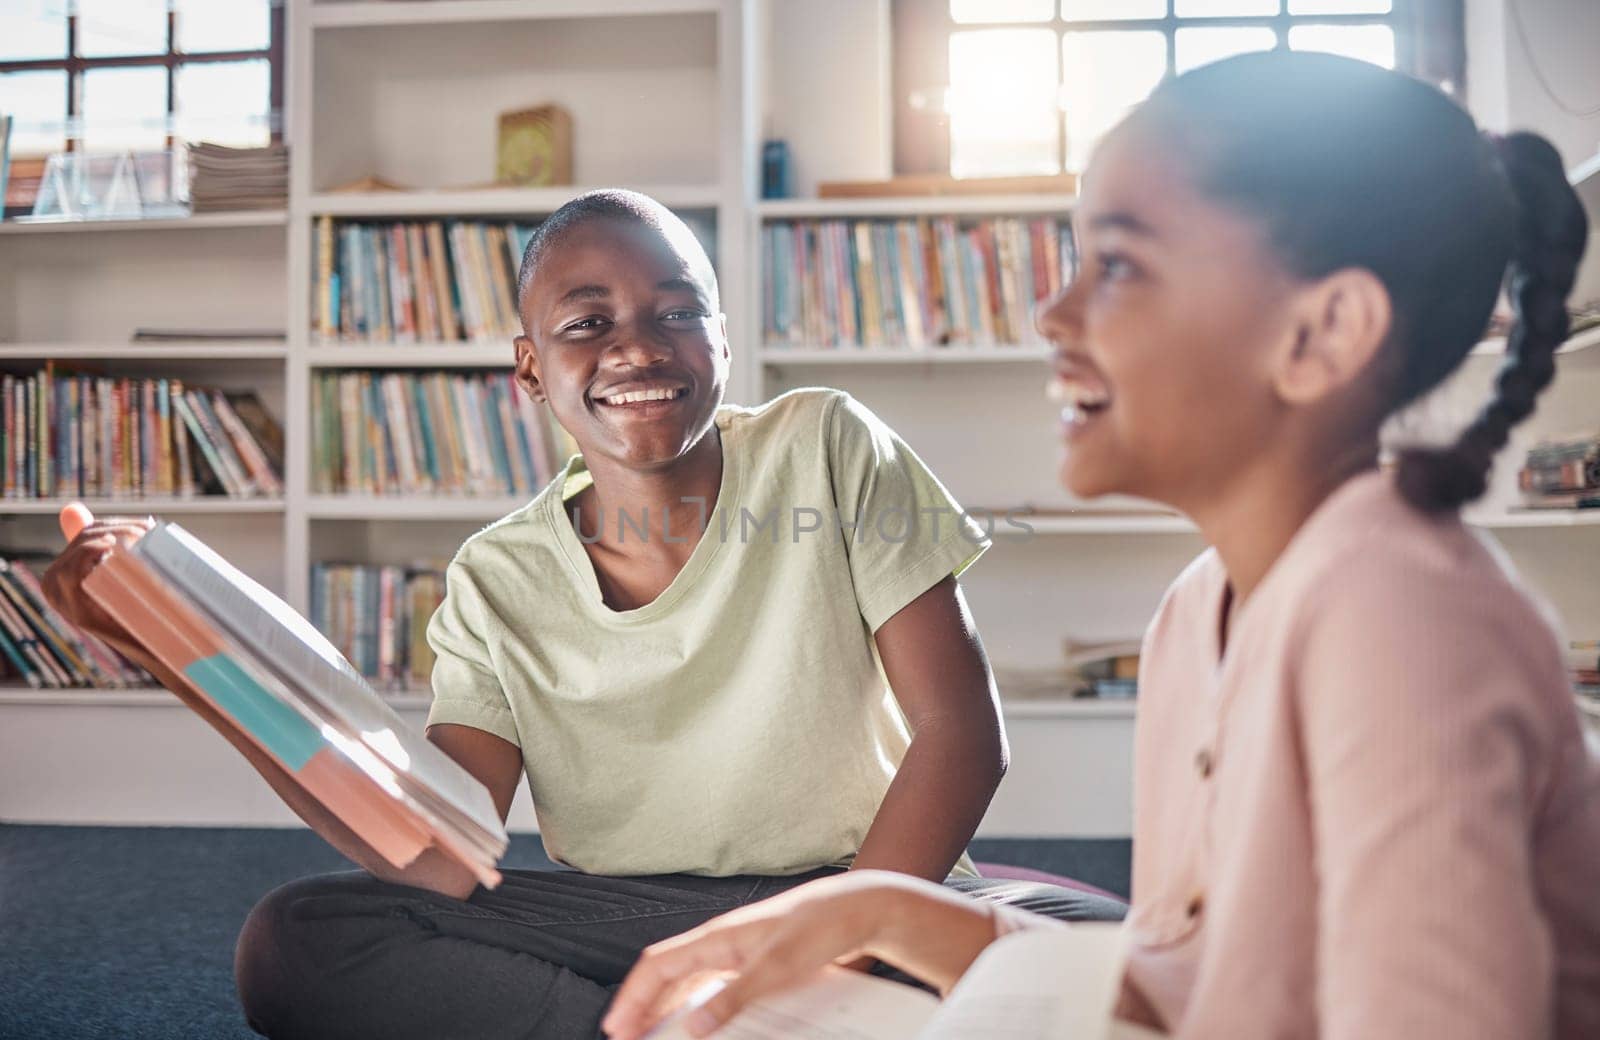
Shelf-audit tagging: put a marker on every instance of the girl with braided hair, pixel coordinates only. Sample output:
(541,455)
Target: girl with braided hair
(1364,808)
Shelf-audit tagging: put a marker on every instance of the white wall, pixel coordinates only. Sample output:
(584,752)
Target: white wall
(826,88)
(1504,92)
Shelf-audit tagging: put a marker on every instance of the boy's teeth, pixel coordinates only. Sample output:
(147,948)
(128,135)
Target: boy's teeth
(635,396)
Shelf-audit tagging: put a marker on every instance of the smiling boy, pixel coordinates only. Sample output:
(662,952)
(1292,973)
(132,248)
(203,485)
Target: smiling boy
(726,646)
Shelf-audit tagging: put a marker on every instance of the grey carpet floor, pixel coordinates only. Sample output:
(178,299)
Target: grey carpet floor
(127,933)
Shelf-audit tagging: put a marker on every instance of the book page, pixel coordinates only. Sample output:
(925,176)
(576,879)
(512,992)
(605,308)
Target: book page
(835,1005)
(1039,984)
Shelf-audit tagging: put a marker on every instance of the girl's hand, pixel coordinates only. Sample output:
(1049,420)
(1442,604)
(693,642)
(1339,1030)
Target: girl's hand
(776,943)
(88,541)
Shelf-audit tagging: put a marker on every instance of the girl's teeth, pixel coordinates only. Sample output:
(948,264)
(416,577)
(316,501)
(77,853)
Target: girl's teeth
(1062,391)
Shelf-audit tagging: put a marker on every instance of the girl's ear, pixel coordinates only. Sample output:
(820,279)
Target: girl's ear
(1340,322)
(527,370)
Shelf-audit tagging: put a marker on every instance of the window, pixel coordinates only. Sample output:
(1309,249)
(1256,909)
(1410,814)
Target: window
(115,75)
(1018,87)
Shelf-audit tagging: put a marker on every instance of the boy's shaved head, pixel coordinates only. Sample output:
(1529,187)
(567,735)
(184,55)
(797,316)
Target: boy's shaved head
(615,204)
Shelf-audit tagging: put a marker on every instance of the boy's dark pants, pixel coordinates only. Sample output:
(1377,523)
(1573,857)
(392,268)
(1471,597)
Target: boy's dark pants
(346,955)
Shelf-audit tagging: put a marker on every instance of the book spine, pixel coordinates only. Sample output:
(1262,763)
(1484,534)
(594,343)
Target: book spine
(327,328)
(255,460)
(444,296)
(237,473)
(185,409)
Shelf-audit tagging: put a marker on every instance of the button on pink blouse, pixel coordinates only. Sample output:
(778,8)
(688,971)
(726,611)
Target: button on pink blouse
(1375,815)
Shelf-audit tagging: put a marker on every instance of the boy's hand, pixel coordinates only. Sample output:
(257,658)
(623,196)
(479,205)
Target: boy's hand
(88,542)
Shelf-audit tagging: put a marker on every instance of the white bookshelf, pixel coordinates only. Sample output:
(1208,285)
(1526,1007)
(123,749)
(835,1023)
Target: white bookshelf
(194,222)
(495,201)
(367,13)
(146,351)
(914,206)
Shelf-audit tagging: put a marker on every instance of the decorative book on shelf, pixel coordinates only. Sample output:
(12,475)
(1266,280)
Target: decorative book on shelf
(252,666)
(378,618)
(439,433)
(909,283)
(68,432)
(433,281)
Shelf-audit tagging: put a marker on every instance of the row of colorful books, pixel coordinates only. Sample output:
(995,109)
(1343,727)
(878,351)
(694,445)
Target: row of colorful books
(1562,473)
(378,618)
(909,283)
(423,281)
(80,434)
(44,649)
(448,433)
(429,281)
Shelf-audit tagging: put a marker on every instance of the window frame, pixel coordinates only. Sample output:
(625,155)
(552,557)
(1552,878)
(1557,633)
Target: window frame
(172,60)
(1429,43)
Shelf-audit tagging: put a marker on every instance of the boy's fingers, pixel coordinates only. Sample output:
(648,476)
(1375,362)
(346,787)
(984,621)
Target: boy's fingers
(75,516)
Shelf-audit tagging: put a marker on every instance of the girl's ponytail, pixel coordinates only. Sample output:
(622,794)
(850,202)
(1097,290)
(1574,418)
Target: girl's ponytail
(1551,232)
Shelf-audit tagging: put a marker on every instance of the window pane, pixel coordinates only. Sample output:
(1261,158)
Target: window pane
(222,25)
(1002,10)
(1004,117)
(1374,43)
(1340,6)
(32,29)
(1224,8)
(1107,10)
(1196,47)
(124,109)
(116,27)
(38,100)
(224,102)
(1104,74)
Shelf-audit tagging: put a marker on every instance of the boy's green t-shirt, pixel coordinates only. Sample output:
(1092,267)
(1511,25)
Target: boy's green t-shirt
(740,723)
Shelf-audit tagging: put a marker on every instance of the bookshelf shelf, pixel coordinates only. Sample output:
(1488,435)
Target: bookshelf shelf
(1089,523)
(199,221)
(140,697)
(253,350)
(913,206)
(411,355)
(1535,518)
(1582,347)
(828,356)
(1078,708)
(200,504)
(491,201)
(418,12)
(411,507)
(149,697)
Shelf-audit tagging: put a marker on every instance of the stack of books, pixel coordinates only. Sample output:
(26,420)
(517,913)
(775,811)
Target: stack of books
(1562,473)
(378,618)
(445,433)
(78,434)
(248,661)
(909,283)
(223,178)
(44,649)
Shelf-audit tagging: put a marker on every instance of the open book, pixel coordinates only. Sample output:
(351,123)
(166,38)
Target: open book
(1044,984)
(278,681)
